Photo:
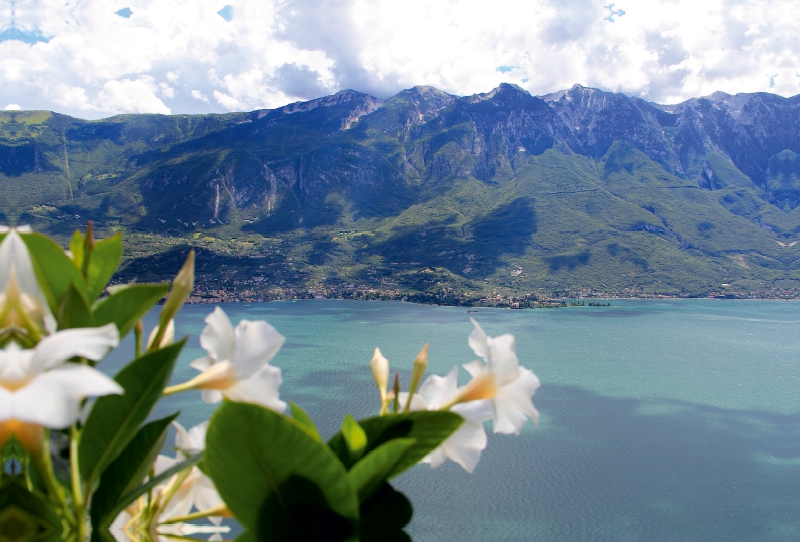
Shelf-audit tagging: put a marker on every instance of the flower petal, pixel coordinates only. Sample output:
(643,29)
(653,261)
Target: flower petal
(91,343)
(256,344)
(439,390)
(211,397)
(217,337)
(201,364)
(259,389)
(52,398)
(206,496)
(478,341)
(503,359)
(513,405)
(474,368)
(465,445)
(14,254)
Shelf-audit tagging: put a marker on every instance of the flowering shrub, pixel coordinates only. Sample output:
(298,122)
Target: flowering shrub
(82,460)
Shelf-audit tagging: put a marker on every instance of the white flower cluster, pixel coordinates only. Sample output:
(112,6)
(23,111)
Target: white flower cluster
(500,391)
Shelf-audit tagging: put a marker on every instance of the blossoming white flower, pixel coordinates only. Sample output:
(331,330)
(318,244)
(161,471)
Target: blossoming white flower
(22,302)
(512,404)
(197,490)
(38,387)
(237,365)
(175,498)
(465,445)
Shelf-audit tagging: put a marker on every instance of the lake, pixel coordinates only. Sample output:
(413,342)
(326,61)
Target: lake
(660,420)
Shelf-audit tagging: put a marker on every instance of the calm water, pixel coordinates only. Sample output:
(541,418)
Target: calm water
(675,420)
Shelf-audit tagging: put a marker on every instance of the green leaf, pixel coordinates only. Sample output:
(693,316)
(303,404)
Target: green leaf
(126,307)
(114,419)
(429,428)
(374,468)
(105,258)
(128,470)
(384,514)
(54,270)
(25,516)
(355,438)
(299,415)
(275,477)
(74,310)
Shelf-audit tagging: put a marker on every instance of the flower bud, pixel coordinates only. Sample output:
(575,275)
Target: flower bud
(380,372)
(420,365)
(182,288)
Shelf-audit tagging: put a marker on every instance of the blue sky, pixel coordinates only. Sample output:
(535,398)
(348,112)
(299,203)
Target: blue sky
(95,58)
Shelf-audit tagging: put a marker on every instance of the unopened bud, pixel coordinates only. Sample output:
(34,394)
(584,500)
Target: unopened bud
(420,365)
(380,372)
(182,288)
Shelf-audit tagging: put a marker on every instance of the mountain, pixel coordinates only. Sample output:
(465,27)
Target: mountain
(430,192)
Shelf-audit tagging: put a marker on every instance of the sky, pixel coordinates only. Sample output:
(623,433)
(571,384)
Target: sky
(97,58)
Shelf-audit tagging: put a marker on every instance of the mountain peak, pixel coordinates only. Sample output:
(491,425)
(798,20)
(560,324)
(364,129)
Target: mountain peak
(343,96)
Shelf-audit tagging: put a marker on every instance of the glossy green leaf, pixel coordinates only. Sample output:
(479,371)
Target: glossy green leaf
(429,428)
(299,415)
(74,310)
(54,270)
(355,438)
(105,258)
(275,477)
(114,419)
(126,307)
(384,514)
(373,470)
(128,470)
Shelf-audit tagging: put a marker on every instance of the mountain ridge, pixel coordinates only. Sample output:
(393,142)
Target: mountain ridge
(579,188)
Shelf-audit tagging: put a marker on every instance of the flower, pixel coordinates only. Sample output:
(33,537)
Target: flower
(197,489)
(173,500)
(237,365)
(22,303)
(512,404)
(465,445)
(39,387)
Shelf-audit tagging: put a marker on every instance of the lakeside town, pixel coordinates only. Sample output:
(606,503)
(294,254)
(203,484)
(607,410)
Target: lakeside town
(579,297)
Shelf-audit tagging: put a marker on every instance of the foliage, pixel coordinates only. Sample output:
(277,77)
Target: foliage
(270,471)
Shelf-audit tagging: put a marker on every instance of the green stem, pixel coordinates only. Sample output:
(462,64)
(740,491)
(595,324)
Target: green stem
(220,510)
(78,500)
(55,492)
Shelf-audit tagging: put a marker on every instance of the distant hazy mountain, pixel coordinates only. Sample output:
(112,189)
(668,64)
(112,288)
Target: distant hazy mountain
(428,190)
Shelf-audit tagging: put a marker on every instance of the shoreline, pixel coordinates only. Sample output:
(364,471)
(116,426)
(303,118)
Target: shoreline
(463,299)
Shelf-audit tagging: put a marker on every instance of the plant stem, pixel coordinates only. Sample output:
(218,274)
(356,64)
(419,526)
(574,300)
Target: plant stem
(221,510)
(78,501)
(44,463)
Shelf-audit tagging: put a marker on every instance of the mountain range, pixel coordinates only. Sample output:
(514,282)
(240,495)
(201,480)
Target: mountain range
(427,192)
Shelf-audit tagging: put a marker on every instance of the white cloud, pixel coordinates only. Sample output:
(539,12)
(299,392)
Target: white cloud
(131,96)
(13,107)
(182,56)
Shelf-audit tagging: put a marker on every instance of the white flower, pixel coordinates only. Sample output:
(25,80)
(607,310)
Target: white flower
(197,490)
(237,366)
(22,303)
(39,387)
(465,445)
(175,498)
(512,404)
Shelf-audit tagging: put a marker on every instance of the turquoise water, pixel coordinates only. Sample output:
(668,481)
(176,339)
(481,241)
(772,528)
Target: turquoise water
(661,420)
